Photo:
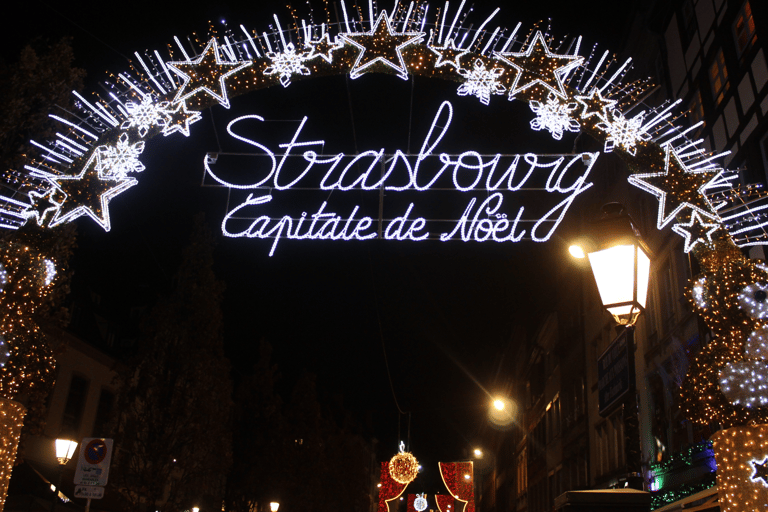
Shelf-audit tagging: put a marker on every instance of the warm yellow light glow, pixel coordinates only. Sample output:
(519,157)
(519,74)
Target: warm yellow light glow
(614,270)
(273,506)
(65,449)
(478,453)
(577,251)
(499,404)
(467,477)
(502,411)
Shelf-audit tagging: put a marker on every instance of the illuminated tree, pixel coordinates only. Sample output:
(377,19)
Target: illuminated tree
(173,428)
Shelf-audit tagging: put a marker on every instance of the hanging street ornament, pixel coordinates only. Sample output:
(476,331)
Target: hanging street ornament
(120,159)
(179,118)
(539,66)
(144,115)
(595,105)
(324,48)
(677,187)
(696,231)
(381,45)
(403,467)
(481,83)
(622,132)
(448,54)
(40,205)
(287,63)
(554,116)
(88,193)
(420,503)
(207,74)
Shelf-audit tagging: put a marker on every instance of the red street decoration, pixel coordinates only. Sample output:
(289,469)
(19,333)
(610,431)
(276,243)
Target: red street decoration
(444,502)
(390,489)
(411,503)
(458,478)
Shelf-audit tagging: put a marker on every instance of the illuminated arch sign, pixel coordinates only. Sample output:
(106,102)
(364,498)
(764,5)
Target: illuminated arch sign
(98,156)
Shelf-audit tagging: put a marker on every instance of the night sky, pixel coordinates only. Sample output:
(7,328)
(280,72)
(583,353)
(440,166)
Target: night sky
(443,312)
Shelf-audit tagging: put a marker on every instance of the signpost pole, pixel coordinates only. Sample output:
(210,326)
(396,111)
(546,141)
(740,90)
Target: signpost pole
(88,505)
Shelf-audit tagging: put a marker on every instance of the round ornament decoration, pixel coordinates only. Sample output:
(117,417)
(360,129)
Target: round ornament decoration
(420,503)
(404,467)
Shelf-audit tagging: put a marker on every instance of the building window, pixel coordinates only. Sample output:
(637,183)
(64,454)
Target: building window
(73,409)
(688,23)
(718,77)
(744,28)
(103,413)
(696,110)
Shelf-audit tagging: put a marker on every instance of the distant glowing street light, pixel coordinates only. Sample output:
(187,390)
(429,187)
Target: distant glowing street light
(502,411)
(273,506)
(478,453)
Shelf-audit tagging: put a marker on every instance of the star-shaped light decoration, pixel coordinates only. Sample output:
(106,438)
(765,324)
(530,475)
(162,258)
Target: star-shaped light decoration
(677,187)
(448,54)
(381,45)
(40,205)
(761,471)
(537,66)
(696,231)
(179,118)
(324,48)
(595,105)
(120,159)
(287,64)
(206,74)
(622,132)
(88,193)
(481,82)
(145,114)
(554,116)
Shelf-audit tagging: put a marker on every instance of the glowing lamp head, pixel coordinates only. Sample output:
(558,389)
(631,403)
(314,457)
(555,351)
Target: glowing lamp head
(621,265)
(65,449)
(577,251)
(273,506)
(499,404)
(478,453)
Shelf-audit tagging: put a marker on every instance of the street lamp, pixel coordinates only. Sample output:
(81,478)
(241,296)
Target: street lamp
(273,506)
(620,263)
(65,449)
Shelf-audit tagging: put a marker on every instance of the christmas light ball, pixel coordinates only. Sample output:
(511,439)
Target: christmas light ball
(403,468)
(420,503)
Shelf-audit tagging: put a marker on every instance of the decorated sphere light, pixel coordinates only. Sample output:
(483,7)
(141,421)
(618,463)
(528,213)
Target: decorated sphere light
(420,503)
(404,467)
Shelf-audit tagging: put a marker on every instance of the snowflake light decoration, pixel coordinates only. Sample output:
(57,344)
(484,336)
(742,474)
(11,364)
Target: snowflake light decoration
(118,161)
(554,116)
(481,82)
(287,64)
(145,115)
(623,133)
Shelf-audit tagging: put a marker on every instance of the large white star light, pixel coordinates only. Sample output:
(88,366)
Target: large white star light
(120,159)
(287,64)
(179,118)
(381,45)
(696,231)
(623,132)
(481,82)
(88,193)
(145,114)
(206,74)
(537,65)
(554,116)
(678,187)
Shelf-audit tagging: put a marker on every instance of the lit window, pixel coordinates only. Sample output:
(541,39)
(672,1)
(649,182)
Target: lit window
(744,28)
(718,76)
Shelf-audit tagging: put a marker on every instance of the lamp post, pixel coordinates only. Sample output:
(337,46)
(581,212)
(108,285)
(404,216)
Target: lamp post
(65,449)
(621,264)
